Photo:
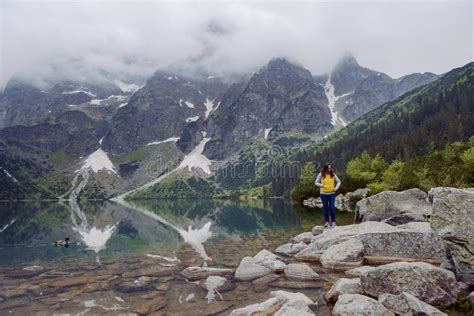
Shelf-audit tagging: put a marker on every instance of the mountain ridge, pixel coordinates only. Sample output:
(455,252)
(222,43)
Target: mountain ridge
(281,103)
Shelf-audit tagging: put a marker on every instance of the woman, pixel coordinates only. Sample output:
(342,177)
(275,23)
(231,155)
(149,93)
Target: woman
(329,183)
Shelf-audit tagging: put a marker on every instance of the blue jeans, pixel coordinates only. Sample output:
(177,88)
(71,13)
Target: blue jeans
(328,205)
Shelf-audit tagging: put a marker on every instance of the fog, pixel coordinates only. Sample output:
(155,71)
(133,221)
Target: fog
(49,40)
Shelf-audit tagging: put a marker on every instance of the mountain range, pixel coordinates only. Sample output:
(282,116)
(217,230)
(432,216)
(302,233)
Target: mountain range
(130,133)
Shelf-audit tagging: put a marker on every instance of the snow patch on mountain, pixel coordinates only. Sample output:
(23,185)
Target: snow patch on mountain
(192,119)
(7,225)
(195,159)
(98,160)
(171,139)
(116,97)
(8,174)
(209,104)
(336,120)
(125,87)
(267,131)
(187,103)
(92,95)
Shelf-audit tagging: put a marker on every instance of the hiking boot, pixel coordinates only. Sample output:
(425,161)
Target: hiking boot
(333,224)
(326,225)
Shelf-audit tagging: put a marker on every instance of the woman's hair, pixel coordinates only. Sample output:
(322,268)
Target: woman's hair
(325,171)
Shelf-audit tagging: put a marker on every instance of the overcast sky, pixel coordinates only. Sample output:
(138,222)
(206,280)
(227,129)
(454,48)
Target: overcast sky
(75,39)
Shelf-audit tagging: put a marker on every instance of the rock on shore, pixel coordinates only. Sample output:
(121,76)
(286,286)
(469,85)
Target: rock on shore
(394,207)
(343,247)
(433,285)
(453,221)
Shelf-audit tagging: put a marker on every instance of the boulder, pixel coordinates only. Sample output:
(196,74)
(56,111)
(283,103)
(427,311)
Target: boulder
(249,270)
(345,255)
(470,299)
(267,307)
(269,260)
(337,235)
(318,229)
(343,286)
(303,237)
(194,273)
(300,272)
(382,242)
(261,284)
(343,203)
(261,264)
(415,240)
(356,304)
(293,308)
(280,303)
(433,285)
(291,249)
(407,304)
(313,202)
(357,272)
(394,207)
(453,220)
(290,296)
(362,193)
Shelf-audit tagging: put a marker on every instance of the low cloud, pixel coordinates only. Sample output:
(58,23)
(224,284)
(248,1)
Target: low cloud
(46,40)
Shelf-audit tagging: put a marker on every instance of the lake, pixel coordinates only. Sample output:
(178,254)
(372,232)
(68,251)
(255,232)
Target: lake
(109,240)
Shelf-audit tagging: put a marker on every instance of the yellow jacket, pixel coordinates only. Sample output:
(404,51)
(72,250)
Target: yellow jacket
(327,184)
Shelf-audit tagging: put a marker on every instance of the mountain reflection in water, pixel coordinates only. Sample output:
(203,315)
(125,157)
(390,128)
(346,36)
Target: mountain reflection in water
(158,226)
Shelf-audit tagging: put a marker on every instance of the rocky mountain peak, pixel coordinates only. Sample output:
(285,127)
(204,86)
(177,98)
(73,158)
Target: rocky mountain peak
(347,61)
(282,67)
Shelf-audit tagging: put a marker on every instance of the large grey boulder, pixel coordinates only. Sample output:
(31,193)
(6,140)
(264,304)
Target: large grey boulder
(453,219)
(394,207)
(300,272)
(362,193)
(343,203)
(313,202)
(267,307)
(345,255)
(431,284)
(415,240)
(407,304)
(337,235)
(280,303)
(317,230)
(269,260)
(343,286)
(294,308)
(303,237)
(356,304)
(249,270)
(291,249)
(357,272)
(470,299)
(381,242)
(260,265)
